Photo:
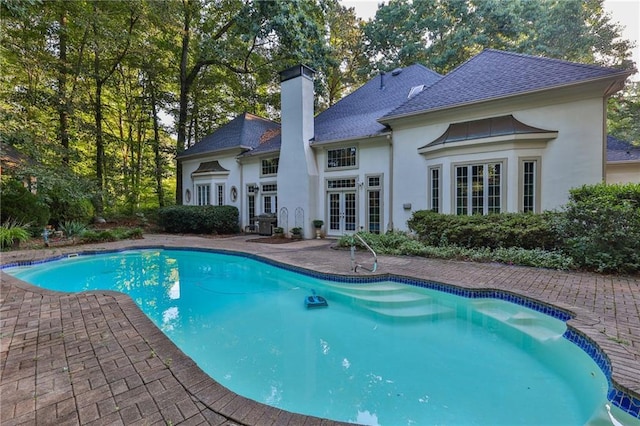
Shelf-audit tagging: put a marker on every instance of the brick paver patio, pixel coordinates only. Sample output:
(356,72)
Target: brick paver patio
(94,358)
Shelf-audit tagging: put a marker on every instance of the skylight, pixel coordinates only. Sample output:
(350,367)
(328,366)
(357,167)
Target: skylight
(415,90)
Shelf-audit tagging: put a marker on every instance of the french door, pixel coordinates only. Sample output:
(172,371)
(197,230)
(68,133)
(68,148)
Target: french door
(342,212)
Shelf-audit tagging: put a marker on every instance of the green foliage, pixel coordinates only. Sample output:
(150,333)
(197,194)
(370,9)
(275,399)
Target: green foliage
(623,118)
(401,243)
(12,232)
(199,219)
(601,227)
(524,230)
(573,30)
(67,195)
(20,204)
(92,236)
(73,229)
(107,235)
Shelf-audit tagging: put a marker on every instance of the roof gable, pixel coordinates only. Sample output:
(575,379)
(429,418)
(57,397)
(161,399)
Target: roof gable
(246,131)
(495,74)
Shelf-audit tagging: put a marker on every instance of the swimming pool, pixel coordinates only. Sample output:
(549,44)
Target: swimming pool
(382,353)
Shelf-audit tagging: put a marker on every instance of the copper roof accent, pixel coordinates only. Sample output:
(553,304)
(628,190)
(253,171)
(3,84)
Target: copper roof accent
(210,167)
(269,134)
(486,128)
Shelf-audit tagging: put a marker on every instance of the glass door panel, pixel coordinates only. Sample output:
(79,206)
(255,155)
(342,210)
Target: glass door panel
(350,211)
(334,211)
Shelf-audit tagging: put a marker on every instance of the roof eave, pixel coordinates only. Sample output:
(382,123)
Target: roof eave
(219,151)
(319,144)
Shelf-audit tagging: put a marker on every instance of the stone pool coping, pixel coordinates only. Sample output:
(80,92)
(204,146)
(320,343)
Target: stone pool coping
(95,358)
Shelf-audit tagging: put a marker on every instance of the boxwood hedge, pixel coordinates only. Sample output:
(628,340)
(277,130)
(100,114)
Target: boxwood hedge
(199,219)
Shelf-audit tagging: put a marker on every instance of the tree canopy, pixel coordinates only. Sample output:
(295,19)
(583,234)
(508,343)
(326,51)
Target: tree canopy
(107,93)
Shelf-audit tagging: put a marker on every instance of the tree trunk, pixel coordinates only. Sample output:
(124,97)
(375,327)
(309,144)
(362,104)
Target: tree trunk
(98,202)
(63,102)
(184,100)
(156,146)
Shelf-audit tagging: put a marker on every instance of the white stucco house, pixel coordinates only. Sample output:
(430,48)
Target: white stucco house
(503,132)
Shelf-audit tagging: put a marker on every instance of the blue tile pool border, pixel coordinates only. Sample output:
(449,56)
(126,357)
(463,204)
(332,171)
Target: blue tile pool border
(623,400)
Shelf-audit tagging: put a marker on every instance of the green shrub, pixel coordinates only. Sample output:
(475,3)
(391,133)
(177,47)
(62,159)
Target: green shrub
(18,203)
(400,243)
(524,230)
(601,227)
(91,236)
(13,232)
(614,193)
(199,219)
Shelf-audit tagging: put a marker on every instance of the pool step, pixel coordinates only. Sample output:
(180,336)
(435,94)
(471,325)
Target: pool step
(538,327)
(431,310)
(391,300)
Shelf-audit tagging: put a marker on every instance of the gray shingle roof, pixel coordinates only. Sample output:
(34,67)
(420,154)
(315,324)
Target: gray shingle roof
(619,150)
(245,131)
(356,115)
(496,74)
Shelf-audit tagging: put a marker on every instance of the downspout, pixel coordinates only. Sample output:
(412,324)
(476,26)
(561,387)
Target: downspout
(604,139)
(241,193)
(390,223)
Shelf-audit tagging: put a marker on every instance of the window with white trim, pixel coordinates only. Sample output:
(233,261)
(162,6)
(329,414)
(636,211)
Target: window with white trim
(435,190)
(529,185)
(270,166)
(220,194)
(269,198)
(374,204)
(202,194)
(478,188)
(342,157)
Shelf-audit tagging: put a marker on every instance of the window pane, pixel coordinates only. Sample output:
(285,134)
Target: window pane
(202,192)
(435,190)
(220,193)
(270,166)
(528,190)
(341,183)
(493,185)
(373,208)
(270,187)
(342,157)
(373,181)
(334,212)
(251,203)
(477,189)
(462,181)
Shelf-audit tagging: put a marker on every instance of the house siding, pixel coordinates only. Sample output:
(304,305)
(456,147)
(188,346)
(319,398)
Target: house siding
(571,159)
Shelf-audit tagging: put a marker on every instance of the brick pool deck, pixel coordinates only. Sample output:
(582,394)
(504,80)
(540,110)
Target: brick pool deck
(95,359)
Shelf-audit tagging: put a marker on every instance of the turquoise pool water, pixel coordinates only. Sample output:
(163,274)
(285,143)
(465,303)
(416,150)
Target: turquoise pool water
(382,353)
